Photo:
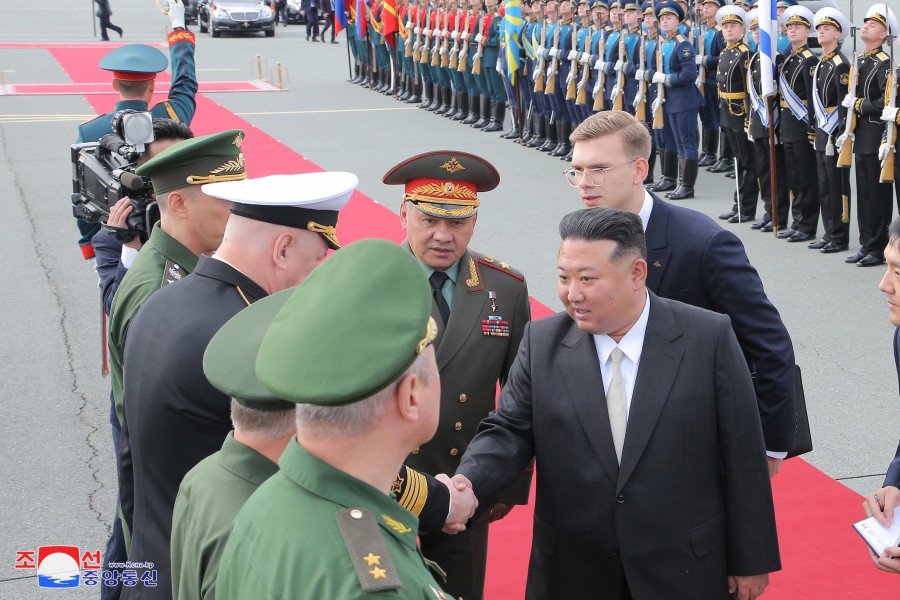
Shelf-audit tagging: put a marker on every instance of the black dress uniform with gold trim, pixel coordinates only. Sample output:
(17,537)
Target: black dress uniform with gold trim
(475,348)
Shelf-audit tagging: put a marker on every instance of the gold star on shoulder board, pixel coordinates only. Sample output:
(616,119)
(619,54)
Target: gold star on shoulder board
(372,559)
(378,573)
(397,487)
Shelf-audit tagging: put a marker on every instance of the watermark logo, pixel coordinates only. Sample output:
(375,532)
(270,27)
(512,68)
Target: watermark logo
(70,566)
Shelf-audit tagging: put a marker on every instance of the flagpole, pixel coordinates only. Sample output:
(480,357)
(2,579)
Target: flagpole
(349,63)
(519,122)
(770,106)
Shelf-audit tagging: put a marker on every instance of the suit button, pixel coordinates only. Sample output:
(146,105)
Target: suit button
(621,499)
(416,451)
(616,552)
(453,451)
(463,398)
(458,426)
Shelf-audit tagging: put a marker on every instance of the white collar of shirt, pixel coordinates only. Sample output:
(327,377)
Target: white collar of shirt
(631,345)
(646,209)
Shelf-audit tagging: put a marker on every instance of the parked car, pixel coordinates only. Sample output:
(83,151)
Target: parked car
(295,15)
(216,16)
(190,11)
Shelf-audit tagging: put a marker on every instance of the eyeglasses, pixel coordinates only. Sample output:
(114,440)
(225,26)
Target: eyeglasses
(595,177)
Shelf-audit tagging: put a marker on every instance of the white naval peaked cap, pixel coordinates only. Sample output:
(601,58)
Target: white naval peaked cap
(752,16)
(832,16)
(883,14)
(797,14)
(308,201)
(736,13)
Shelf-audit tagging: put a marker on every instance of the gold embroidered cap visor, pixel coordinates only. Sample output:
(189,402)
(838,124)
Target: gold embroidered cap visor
(199,160)
(444,184)
(349,330)
(310,201)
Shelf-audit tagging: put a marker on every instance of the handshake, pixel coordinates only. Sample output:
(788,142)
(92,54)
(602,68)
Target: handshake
(463,504)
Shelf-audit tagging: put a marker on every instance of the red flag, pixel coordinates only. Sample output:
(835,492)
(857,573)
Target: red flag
(389,21)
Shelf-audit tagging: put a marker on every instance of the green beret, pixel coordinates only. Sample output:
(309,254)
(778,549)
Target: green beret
(350,329)
(199,160)
(229,362)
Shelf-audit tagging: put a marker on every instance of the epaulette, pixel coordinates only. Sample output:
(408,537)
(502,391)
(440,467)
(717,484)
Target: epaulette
(368,552)
(882,55)
(171,111)
(680,38)
(172,272)
(806,53)
(94,119)
(499,265)
(837,60)
(743,48)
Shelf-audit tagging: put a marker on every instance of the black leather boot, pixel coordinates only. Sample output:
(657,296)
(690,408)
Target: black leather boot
(416,95)
(688,179)
(496,122)
(666,183)
(527,130)
(538,137)
(651,162)
(426,95)
(680,161)
(464,104)
(445,100)
(435,98)
(474,107)
(513,133)
(357,74)
(725,164)
(565,128)
(712,144)
(552,136)
(484,114)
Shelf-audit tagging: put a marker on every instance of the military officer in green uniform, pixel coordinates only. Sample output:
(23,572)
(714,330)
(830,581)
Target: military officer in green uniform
(481,307)
(359,363)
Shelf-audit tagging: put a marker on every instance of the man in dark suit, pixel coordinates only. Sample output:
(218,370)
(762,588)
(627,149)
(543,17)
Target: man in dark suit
(883,502)
(693,260)
(641,415)
(481,307)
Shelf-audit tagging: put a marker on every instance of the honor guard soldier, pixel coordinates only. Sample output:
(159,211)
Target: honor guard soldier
(683,99)
(134,68)
(474,84)
(783,42)
(455,22)
(873,206)
(831,78)
(358,362)
(795,83)
(518,96)
(643,103)
(710,45)
(611,46)
(586,27)
(279,228)
(543,123)
(731,77)
(759,126)
(481,307)
(550,50)
(624,57)
(565,82)
(404,76)
(213,492)
(890,143)
(490,53)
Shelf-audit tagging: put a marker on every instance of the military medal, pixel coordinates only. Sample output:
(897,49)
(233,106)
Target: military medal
(493,297)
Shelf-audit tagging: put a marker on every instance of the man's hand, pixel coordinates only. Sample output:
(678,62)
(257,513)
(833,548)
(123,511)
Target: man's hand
(889,114)
(774,465)
(848,101)
(655,106)
(176,14)
(615,93)
(462,502)
(881,504)
(883,151)
(118,218)
(659,77)
(747,588)
(887,562)
(639,74)
(618,66)
(499,510)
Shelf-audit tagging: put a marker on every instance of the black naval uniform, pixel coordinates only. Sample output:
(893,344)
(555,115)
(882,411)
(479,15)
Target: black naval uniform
(830,80)
(174,417)
(731,76)
(760,135)
(873,206)
(796,70)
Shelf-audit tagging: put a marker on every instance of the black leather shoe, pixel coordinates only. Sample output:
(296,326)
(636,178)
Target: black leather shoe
(870,261)
(856,257)
(730,175)
(831,248)
(799,237)
(817,245)
(767,228)
(759,224)
(785,233)
(741,219)
(728,215)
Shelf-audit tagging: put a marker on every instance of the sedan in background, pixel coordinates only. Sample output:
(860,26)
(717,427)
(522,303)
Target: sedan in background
(216,16)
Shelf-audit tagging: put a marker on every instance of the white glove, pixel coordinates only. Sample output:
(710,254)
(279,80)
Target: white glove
(585,57)
(659,77)
(534,75)
(699,84)
(540,51)
(440,50)
(889,114)
(848,101)
(570,78)
(600,65)
(841,140)
(444,33)
(415,46)
(550,71)
(417,31)
(699,60)
(654,107)
(478,38)
(615,93)
(639,74)
(176,14)
(436,32)
(462,54)
(454,35)
(596,88)
(883,151)
(572,54)
(554,51)
(637,100)
(618,66)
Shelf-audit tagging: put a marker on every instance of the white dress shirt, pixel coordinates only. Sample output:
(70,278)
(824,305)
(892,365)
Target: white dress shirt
(646,209)
(631,345)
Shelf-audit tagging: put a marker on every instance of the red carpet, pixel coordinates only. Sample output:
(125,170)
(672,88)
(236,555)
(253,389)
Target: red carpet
(822,556)
(85,89)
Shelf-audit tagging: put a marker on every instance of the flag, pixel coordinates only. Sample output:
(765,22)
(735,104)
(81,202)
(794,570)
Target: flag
(340,16)
(512,28)
(768,45)
(389,21)
(361,18)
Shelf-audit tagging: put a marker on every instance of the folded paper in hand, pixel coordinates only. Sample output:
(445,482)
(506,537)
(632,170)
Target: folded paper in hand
(877,536)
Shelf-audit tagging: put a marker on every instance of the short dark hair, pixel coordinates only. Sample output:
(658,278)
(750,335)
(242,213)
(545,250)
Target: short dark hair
(170,129)
(601,223)
(894,233)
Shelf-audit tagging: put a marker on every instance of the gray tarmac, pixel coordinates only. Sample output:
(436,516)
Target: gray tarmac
(58,465)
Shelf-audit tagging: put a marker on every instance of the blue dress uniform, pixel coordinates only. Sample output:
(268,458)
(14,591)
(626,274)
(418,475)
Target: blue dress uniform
(532,104)
(609,60)
(553,101)
(599,33)
(503,71)
(567,29)
(583,46)
(650,43)
(492,77)
(630,39)
(137,62)
(683,102)
(712,43)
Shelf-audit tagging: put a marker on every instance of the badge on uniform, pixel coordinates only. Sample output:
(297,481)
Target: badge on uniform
(172,272)
(687,53)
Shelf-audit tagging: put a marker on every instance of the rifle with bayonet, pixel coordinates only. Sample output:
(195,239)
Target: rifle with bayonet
(890,129)
(426,45)
(464,51)
(845,158)
(453,63)
(438,44)
(640,110)
(542,64)
(599,103)
(619,101)
(417,47)
(550,88)
(476,60)
(571,90)
(701,52)
(408,51)
(660,87)
(581,92)
(445,49)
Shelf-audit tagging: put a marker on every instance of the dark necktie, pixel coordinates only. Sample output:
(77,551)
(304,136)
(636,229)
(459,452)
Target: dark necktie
(437,281)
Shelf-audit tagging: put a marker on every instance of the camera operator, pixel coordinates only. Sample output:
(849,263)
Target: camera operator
(113,258)
(134,68)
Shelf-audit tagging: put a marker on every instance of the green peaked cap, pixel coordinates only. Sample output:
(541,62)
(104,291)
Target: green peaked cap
(204,159)
(350,329)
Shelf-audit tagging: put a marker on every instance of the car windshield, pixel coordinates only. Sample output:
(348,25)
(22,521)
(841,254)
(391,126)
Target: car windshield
(241,2)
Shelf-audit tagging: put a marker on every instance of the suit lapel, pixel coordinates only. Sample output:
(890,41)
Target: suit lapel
(660,359)
(584,383)
(465,313)
(656,234)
